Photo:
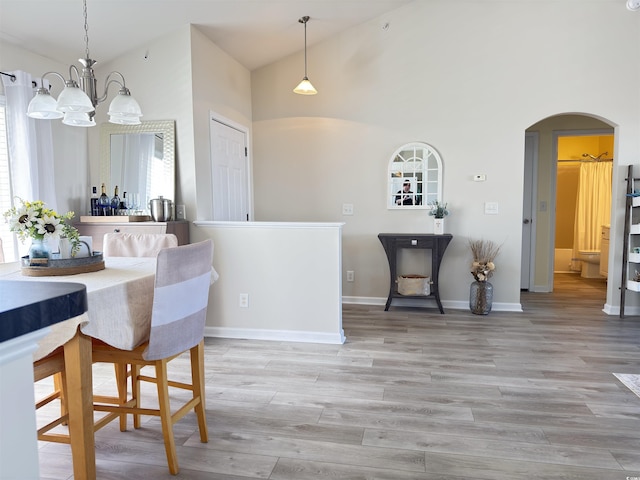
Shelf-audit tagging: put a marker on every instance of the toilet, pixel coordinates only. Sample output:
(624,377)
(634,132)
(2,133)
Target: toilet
(590,260)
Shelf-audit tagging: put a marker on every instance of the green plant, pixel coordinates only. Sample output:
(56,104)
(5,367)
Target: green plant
(438,210)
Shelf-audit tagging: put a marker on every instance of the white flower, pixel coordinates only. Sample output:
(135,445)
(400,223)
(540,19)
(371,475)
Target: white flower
(24,218)
(49,226)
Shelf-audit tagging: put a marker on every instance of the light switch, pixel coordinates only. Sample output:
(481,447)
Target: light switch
(481,177)
(490,208)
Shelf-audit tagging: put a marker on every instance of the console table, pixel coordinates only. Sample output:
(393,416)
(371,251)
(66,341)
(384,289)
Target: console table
(392,242)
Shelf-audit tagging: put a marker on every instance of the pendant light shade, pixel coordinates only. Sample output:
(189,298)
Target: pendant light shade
(124,109)
(78,119)
(72,99)
(78,101)
(305,87)
(43,106)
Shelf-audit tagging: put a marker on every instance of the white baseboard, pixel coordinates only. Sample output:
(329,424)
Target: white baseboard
(429,302)
(615,310)
(364,300)
(277,335)
(495,307)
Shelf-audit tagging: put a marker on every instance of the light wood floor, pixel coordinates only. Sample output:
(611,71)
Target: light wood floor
(412,395)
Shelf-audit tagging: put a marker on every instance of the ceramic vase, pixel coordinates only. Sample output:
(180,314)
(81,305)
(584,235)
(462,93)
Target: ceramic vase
(480,297)
(438,226)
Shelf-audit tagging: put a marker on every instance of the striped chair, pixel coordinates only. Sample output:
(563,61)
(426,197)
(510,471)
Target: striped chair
(181,294)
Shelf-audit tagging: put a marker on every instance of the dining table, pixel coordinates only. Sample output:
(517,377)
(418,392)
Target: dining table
(119,298)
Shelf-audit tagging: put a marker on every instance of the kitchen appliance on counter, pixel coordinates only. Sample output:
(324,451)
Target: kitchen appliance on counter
(161,209)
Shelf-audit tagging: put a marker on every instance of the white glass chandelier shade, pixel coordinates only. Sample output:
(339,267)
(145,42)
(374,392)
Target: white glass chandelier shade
(633,5)
(305,87)
(78,119)
(72,99)
(124,107)
(122,120)
(43,106)
(78,101)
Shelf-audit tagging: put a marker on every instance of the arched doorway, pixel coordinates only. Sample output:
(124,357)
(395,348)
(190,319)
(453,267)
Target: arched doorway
(541,181)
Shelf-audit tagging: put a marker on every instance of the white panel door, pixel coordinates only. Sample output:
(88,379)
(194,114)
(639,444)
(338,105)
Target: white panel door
(229,173)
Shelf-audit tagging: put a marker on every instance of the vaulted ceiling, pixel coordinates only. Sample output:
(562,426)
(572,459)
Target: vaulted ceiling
(254,32)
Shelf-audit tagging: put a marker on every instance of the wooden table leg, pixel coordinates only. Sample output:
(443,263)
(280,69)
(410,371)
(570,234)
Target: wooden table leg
(78,366)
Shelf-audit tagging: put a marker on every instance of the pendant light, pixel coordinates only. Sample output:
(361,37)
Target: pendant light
(305,87)
(77,103)
(633,5)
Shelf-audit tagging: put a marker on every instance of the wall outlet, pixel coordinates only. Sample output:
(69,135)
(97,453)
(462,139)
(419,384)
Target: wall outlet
(350,276)
(347,209)
(181,212)
(244,300)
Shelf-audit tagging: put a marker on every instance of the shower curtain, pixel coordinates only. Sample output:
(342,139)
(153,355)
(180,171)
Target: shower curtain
(593,207)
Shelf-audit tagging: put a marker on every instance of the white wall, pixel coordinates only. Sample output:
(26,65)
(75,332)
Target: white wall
(290,272)
(223,86)
(182,76)
(467,78)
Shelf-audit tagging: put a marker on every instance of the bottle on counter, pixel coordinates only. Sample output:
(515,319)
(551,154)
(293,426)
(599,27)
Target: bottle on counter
(123,204)
(115,202)
(104,204)
(93,205)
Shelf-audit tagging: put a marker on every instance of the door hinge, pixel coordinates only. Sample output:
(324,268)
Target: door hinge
(246,152)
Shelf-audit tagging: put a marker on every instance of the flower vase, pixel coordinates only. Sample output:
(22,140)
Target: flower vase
(438,226)
(38,253)
(480,297)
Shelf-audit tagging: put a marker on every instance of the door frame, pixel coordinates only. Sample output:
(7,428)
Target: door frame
(531,183)
(216,117)
(555,134)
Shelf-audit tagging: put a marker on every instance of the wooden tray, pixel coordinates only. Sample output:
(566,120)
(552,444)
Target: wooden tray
(67,266)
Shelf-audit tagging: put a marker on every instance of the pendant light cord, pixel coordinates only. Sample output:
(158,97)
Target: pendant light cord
(305,47)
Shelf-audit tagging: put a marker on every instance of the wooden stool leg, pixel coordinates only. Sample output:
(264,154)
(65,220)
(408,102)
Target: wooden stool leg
(121,382)
(165,415)
(135,392)
(59,386)
(197,379)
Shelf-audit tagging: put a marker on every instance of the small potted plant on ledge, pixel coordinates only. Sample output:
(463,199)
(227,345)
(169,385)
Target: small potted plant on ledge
(438,211)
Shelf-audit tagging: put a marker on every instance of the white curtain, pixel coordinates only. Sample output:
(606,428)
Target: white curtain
(593,205)
(29,142)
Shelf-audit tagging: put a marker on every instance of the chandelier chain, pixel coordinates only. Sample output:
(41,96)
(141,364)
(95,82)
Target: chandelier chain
(86,31)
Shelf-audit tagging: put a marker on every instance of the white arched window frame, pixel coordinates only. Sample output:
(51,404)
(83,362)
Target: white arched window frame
(420,165)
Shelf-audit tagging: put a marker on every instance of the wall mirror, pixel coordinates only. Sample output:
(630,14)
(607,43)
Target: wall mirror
(414,177)
(139,159)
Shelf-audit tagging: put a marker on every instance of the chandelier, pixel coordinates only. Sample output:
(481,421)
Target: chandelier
(77,102)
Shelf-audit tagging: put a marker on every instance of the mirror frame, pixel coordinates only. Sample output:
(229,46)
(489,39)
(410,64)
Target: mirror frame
(428,153)
(166,127)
